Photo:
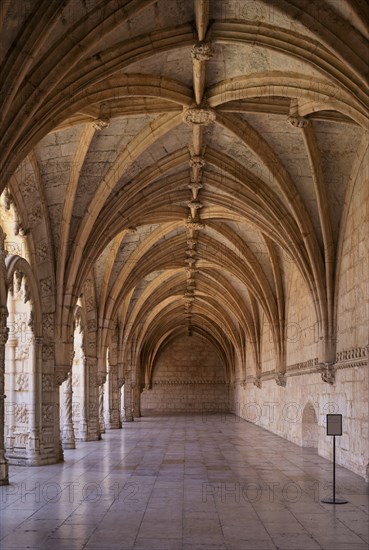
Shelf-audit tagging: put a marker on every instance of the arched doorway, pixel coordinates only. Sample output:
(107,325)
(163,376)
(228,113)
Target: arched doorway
(310,428)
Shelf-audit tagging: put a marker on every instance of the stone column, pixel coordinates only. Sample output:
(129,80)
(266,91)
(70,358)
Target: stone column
(101,409)
(83,427)
(68,439)
(35,393)
(128,417)
(4,480)
(11,398)
(114,399)
(136,400)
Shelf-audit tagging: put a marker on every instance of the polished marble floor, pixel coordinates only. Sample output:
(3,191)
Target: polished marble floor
(184,483)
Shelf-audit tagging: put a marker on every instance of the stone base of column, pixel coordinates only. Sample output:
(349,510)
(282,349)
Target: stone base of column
(68,440)
(127,418)
(4,479)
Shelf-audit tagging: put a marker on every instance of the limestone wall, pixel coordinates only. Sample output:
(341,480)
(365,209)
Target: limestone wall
(353,268)
(188,377)
(280,410)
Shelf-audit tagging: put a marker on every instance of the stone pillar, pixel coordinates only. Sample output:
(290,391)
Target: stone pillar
(68,439)
(35,390)
(101,409)
(114,399)
(128,417)
(4,479)
(11,398)
(83,426)
(136,400)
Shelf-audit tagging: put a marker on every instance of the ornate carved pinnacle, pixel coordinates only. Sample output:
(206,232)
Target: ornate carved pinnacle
(202,51)
(298,121)
(198,115)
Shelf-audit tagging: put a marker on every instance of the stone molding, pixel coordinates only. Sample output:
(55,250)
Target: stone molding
(346,359)
(186,382)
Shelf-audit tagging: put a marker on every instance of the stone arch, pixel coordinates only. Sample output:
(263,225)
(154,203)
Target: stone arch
(309,427)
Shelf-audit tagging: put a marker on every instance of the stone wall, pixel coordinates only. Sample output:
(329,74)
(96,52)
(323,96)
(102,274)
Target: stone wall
(280,410)
(188,377)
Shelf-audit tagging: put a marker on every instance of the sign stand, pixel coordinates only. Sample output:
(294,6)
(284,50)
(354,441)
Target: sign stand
(334,427)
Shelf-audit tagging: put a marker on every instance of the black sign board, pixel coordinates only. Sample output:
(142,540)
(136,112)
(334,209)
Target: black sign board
(334,424)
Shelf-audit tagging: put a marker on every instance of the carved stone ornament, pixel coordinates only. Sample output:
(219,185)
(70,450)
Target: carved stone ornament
(190,252)
(46,287)
(193,224)
(328,372)
(190,261)
(42,251)
(202,51)
(28,185)
(298,121)
(191,272)
(21,383)
(61,374)
(197,161)
(198,115)
(47,382)
(281,379)
(35,216)
(257,382)
(101,123)
(195,185)
(194,204)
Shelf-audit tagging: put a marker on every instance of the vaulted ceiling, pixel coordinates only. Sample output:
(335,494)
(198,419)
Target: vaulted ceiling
(185,154)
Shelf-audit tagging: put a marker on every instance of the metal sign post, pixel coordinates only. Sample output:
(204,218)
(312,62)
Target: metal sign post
(334,427)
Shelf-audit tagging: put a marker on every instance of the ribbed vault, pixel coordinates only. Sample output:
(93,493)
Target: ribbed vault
(178,153)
